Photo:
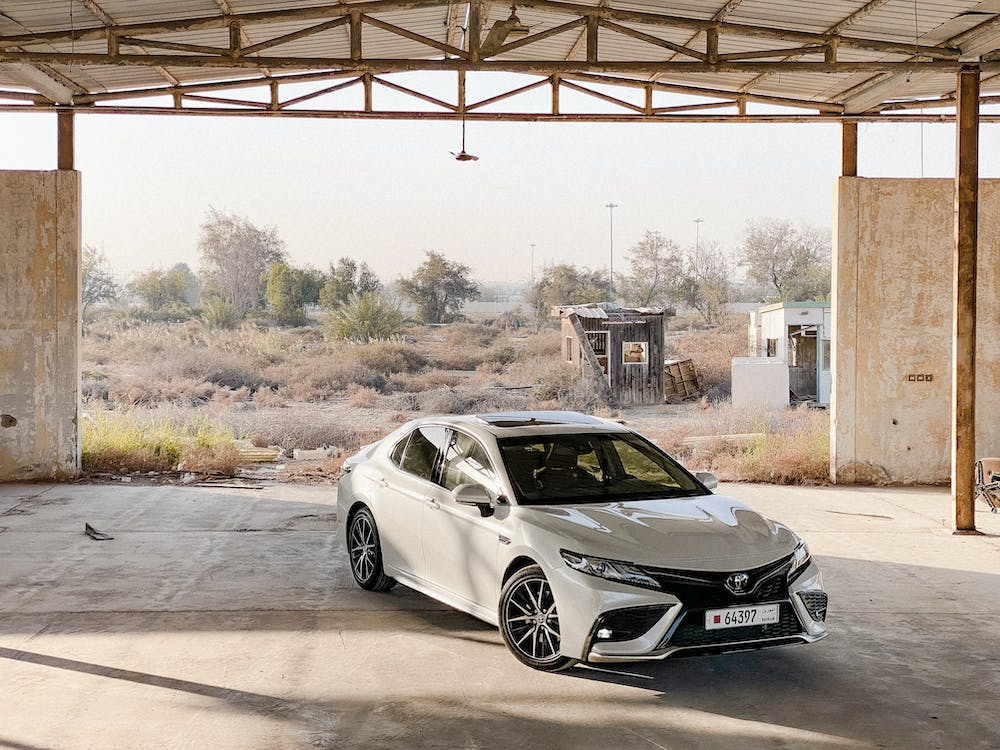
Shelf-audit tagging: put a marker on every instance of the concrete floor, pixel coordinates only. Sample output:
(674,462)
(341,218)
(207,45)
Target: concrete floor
(226,618)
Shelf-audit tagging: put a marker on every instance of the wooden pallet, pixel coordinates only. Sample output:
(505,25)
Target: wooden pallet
(680,379)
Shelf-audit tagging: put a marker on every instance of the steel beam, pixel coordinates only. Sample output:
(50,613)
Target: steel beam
(849,149)
(64,137)
(963,380)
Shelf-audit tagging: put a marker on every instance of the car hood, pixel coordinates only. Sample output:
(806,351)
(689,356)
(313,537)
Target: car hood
(709,532)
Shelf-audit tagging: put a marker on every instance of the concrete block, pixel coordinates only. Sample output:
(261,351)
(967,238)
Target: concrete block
(760,382)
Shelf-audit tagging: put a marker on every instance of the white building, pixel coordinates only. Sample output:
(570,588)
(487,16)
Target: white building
(789,348)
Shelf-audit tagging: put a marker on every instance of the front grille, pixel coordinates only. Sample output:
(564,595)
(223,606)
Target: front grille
(815,602)
(690,631)
(627,624)
(700,589)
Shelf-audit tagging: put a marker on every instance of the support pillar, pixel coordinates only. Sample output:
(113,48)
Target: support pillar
(849,149)
(963,383)
(65,139)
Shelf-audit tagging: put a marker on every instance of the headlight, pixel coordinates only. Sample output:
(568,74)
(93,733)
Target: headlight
(612,570)
(800,559)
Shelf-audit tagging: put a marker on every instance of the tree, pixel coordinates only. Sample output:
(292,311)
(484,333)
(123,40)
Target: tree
(563,284)
(439,287)
(655,268)
(159,289)
(96,282)
(706,283)
(347,279)
(288,291)
(235,258)
(367,317)
(793,261)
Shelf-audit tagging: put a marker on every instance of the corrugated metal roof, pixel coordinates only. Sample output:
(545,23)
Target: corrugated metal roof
(747,27)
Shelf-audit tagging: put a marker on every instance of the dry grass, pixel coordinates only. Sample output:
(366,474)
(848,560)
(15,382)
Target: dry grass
(155,440)
(748,445)
(293,389)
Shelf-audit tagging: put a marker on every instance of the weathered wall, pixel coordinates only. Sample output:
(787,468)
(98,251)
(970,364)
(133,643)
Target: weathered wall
(39,324)
(892,281)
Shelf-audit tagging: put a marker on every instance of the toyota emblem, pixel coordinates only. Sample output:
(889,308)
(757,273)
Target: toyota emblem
(738,583)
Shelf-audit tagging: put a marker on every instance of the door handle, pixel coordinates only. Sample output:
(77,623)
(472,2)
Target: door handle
(432,503)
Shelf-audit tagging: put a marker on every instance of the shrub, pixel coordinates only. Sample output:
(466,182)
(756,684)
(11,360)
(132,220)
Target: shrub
(128,441)
(322,377)
(390,357)
(367,317)
(362,397)
(217,314)
(425,381)
(291,429)
(470,335)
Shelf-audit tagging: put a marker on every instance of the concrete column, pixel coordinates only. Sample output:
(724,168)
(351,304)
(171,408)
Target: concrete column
(963,382)
(39,325)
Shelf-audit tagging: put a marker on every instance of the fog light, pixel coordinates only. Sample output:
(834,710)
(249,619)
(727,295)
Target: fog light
(604,634)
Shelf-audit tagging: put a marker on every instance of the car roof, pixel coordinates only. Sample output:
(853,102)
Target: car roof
(510,423)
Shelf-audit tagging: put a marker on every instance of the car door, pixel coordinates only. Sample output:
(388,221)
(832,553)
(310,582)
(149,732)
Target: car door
(460,544)
(405,489)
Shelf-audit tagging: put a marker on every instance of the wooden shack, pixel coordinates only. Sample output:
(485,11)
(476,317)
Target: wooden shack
(622,346)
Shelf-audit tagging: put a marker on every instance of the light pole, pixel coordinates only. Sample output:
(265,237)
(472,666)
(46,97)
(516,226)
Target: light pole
(531,269)
(611,234)
(697,234)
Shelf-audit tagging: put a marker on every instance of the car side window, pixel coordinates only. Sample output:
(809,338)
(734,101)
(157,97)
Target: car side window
(466,462)
(423,449)
(397,452)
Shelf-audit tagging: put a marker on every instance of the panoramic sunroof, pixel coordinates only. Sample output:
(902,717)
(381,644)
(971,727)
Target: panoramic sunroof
(527,418)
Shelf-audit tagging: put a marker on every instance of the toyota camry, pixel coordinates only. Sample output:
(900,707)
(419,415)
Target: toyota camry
(577,537)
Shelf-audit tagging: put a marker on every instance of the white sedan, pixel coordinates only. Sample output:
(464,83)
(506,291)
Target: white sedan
(577,537)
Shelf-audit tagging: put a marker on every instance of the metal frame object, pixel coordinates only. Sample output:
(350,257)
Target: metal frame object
(600,60)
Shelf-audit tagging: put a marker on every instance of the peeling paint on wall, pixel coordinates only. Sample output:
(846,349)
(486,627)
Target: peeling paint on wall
(892,281)
(39,324)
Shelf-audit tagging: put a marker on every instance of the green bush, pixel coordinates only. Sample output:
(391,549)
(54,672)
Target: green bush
(367,317)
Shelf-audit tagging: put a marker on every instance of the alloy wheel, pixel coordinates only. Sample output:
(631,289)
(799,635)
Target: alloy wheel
(363,548)
(531,619)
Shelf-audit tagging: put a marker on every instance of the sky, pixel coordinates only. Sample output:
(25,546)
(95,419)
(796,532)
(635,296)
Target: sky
(387,191)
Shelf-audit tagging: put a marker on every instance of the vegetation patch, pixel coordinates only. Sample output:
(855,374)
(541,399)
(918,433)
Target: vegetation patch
(127,442)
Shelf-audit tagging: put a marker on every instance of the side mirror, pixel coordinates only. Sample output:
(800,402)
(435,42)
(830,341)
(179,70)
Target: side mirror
(707,478)
(474,494)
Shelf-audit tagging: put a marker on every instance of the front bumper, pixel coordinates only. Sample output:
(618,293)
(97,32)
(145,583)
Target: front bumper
(657,625)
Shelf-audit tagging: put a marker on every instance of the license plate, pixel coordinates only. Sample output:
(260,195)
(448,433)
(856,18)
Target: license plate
(741,617)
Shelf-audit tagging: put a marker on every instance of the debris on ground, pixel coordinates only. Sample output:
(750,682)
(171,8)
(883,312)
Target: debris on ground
(93,533)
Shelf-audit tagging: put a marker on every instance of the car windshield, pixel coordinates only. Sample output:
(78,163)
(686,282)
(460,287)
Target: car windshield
(574,468)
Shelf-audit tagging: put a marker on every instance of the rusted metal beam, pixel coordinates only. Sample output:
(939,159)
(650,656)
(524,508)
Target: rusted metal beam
(358,114)
(679,49)
(285,38)
(413,36)
(963,381)
(416,94)
(849,149)
(508,94)
(64,135)
(540,67)
(322,92)
(603,97)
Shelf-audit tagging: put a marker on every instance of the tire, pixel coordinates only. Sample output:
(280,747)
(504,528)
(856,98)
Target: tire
(529,621)
(364,551)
